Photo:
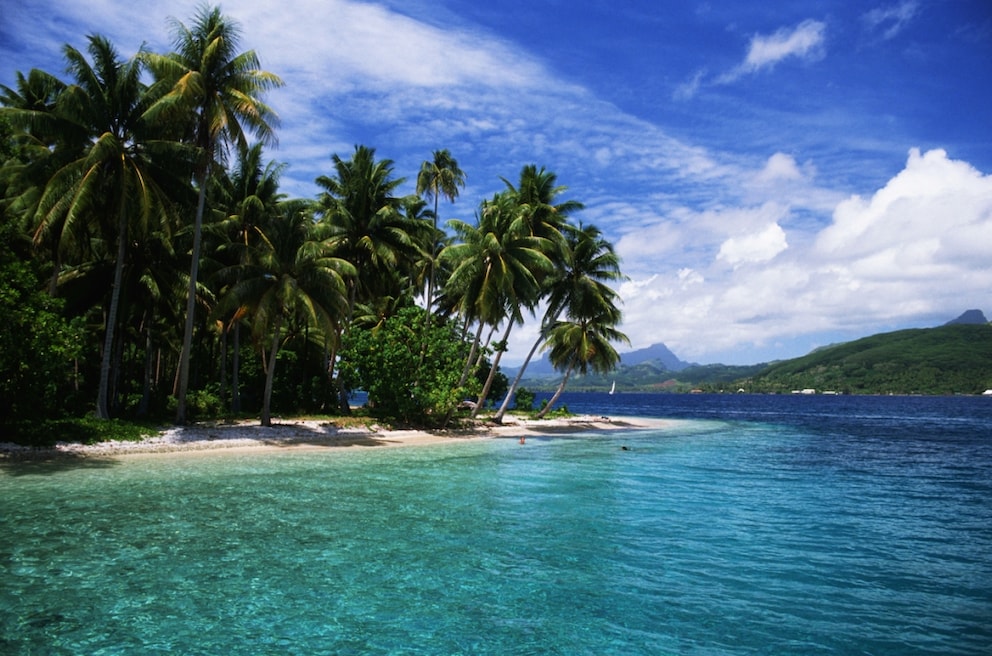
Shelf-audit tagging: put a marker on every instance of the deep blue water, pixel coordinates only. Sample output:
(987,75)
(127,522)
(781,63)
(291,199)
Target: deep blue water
(748,525)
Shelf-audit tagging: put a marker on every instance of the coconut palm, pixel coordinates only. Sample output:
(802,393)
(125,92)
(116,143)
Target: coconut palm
(577,288)
(438,177)
(292,274)
(45,143)
(496,272)
(219,91)
(370,228)
(251,199)
(119,182)
(583,344)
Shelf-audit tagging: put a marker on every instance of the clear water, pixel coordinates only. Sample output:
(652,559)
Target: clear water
(753,525)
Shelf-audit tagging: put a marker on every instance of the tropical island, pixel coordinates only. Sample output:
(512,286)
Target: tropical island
(152,271)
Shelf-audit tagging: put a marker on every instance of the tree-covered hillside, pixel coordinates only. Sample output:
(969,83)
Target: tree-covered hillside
(952,359)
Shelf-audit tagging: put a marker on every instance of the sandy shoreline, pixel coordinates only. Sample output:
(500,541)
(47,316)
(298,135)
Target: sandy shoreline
(303,434)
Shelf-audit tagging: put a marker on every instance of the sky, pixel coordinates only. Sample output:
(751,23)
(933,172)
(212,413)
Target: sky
(775,176)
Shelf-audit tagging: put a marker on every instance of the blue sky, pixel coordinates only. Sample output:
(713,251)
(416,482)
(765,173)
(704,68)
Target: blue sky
(777,176)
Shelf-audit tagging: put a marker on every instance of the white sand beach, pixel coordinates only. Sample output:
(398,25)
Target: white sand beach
(313,434)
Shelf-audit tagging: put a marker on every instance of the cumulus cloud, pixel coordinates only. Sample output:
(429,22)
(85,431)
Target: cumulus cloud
(918,246)
(759,246)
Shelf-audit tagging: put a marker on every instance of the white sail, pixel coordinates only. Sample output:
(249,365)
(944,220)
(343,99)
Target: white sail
(614,388)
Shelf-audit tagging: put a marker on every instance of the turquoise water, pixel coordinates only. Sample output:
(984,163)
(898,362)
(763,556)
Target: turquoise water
(710,537)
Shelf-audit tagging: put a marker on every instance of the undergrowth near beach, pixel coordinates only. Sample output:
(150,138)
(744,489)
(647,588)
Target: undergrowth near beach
(82,430)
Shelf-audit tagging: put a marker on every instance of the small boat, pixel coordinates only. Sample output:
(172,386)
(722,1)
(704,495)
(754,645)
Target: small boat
(614,388)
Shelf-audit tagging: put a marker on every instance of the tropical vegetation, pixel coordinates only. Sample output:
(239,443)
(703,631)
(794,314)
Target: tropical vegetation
(153,269)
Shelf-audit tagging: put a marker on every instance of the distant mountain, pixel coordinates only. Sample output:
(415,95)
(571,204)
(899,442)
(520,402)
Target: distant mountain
(970,317)
(658,356)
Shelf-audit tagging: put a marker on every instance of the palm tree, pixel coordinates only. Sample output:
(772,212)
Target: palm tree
(46,142)
(220,91)
(438,177)
(368,228)
(293,274)
(251,198)
(496,272)
(114,186)
(584,344)
(531,209)
(577,288)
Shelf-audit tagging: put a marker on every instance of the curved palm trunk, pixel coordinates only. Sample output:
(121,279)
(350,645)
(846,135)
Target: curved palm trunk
(103,393)
(194,266)
(492,372)
(498,418)
(561,388)
(467,369)
(270,374)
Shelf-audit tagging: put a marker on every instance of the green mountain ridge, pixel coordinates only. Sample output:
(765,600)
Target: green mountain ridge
(951,359)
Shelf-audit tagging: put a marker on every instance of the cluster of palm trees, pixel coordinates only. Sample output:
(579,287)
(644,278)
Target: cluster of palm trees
(160,223)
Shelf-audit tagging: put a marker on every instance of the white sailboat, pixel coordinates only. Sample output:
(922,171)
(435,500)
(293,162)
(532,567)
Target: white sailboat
(614,387)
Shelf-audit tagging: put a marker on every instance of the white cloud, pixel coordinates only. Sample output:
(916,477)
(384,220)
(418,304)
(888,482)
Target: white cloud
(780,167)
(756,247)
(805,41)
(891,20)
(916,247)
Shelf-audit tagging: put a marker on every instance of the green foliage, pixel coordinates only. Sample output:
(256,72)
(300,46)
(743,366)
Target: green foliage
(81,430)
(523,399)
(201,403)
(386,362)
(37,345)
(954,359)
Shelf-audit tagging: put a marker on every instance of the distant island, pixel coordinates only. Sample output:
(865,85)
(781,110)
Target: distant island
(955,358)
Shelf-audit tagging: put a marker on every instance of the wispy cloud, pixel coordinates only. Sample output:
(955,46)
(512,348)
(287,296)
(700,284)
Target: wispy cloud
(890,21)
(805,41)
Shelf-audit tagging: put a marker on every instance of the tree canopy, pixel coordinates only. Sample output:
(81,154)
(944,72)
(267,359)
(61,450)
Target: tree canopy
(153,266)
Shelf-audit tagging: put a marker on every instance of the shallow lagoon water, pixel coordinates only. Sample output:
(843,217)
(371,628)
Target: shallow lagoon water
(757,525)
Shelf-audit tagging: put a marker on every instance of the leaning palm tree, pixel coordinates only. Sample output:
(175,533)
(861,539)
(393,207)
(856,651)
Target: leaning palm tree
(293,273)
(496,273)
(581,345)
(219,90)
(577,288)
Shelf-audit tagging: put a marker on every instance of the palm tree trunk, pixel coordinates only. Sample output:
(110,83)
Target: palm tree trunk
(498,418)
(235,369)
(270,374)
(492,371)
(102,397)
(471,356)
(557,394)
(146,386)
(184,355)
(467,369)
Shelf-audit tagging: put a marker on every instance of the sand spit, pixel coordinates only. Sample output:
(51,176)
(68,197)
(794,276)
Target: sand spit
(303,433)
